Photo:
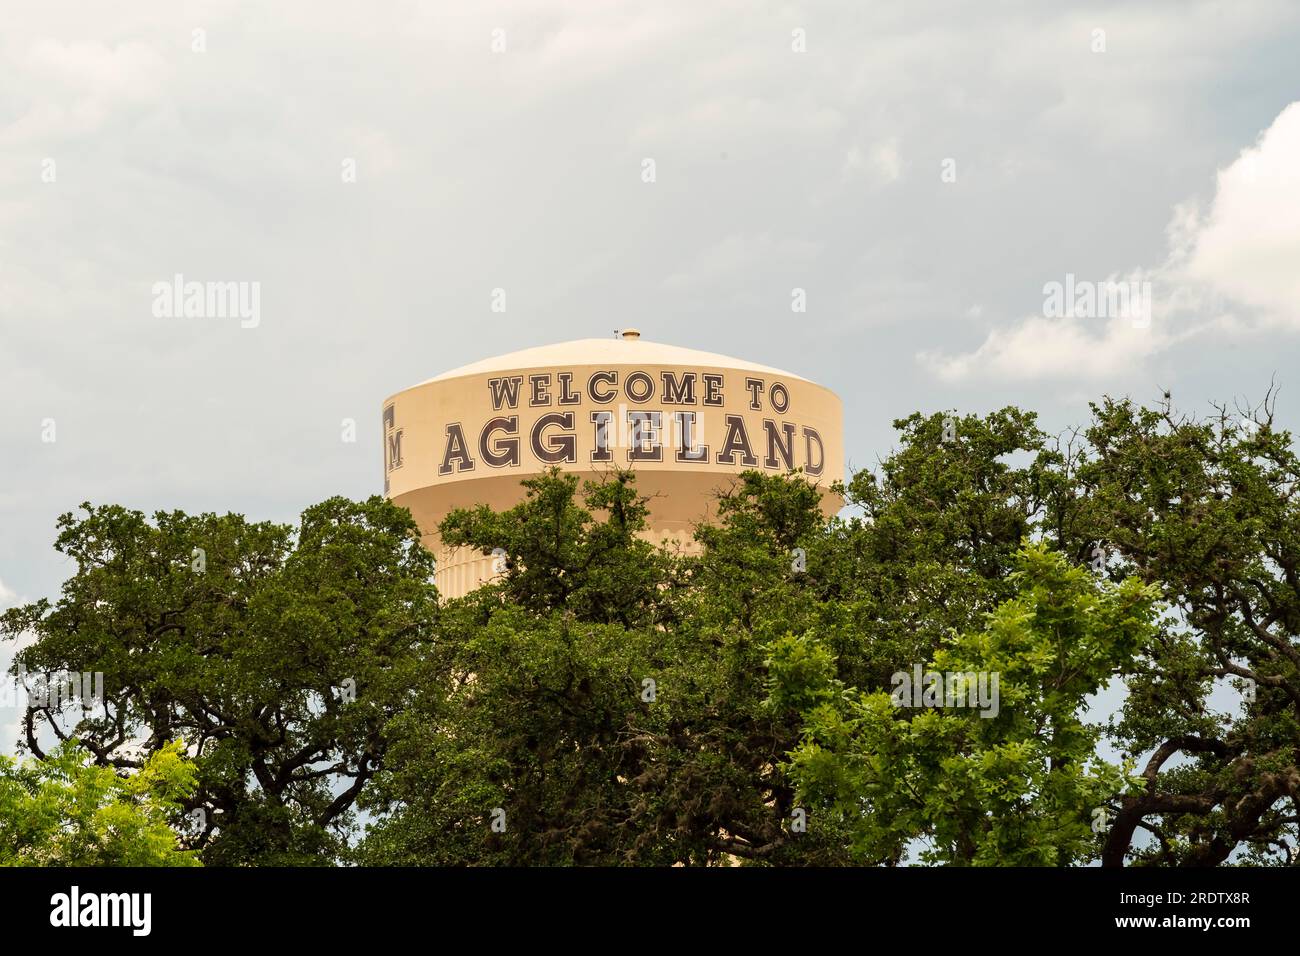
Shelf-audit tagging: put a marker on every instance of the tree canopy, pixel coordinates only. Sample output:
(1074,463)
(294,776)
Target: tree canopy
(278,655)
(788,691)
(66,810)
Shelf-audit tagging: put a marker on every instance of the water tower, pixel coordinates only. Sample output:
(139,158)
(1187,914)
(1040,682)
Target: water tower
(687,422)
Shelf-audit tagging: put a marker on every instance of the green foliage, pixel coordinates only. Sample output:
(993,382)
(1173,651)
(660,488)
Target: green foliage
(560,556)
(530,716)
(1014,784)
(1206,510)
(606,701)
(249,648)
(942,519)
(67,811)
(536,698)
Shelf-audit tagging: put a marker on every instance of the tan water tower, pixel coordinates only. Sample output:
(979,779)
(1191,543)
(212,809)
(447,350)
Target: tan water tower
(686,421)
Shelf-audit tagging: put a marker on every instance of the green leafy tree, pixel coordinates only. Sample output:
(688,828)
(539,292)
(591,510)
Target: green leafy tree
(720,785)
(605,701)
(278,654)
(66,810)
(1015,781)
(532,704)
(933,544)
(558,555)
(1203,510)
(521,744)
(600,696)
(1207,511)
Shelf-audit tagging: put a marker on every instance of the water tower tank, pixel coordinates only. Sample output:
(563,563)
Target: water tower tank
(687,422)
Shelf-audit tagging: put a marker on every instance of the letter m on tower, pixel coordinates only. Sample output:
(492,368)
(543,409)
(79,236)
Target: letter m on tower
(392,443)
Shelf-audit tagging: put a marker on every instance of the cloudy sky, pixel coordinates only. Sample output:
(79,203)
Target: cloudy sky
(921,169)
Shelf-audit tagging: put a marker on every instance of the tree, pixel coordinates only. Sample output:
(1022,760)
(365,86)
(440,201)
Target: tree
(941,521)
(558,556)
(598,704)
(1012,781)
(278,654)
(520,744)
(532,702)
(1207,510)
(66,810)
(605,701)
(1204,510)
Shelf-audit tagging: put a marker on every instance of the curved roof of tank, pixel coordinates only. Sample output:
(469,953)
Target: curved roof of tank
(620,351)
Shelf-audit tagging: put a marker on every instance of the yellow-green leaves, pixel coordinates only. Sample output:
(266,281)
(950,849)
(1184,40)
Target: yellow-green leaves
(66,811)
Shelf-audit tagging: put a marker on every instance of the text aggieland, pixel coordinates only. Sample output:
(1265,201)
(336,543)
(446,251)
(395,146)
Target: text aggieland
(694,424)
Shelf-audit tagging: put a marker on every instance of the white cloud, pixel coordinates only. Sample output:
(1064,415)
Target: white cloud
(1238,266)
(1248,247)
(1040,348)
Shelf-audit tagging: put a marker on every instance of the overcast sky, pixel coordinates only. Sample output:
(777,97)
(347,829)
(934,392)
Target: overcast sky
(794,146)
